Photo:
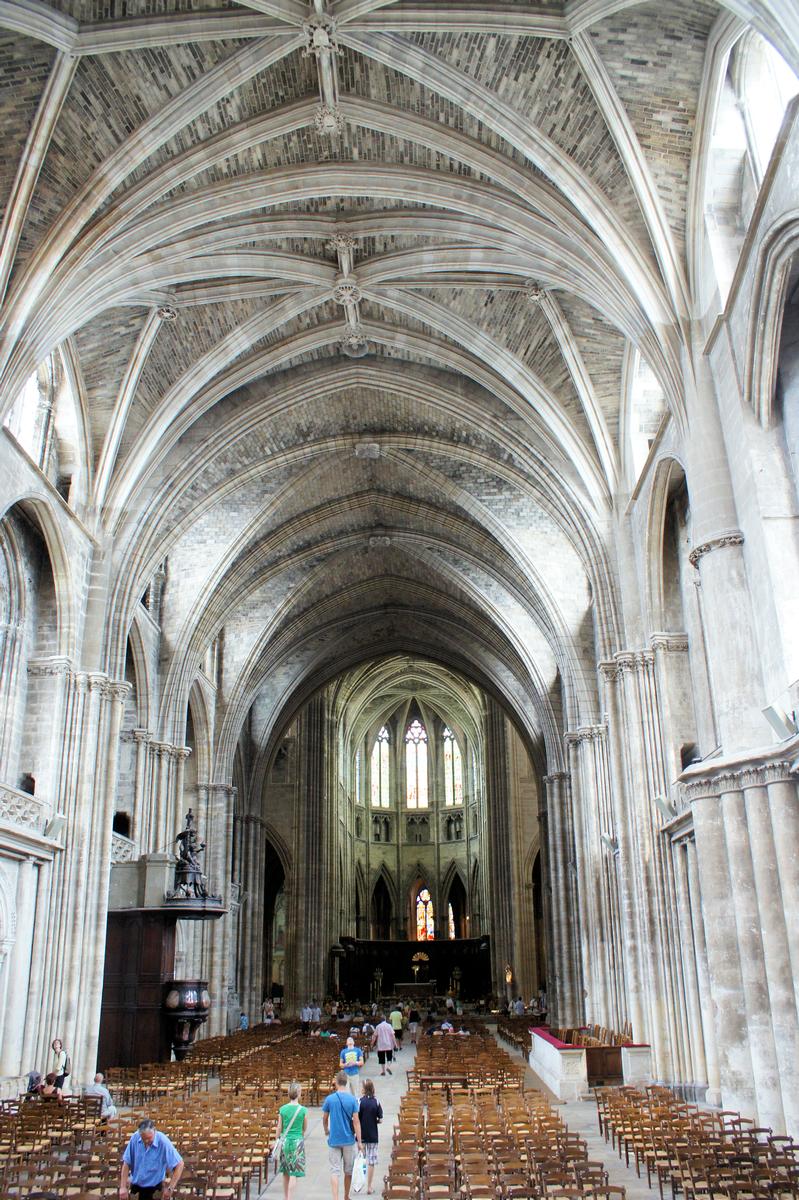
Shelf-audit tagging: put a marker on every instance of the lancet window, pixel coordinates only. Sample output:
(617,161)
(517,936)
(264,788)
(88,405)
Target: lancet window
(380,771)
(453,770)
(425,925)
(416,765)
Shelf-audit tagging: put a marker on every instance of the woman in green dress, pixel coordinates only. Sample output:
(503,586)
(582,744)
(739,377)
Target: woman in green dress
(292,1125)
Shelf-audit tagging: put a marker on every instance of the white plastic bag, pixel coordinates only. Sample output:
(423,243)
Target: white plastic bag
(358,1173)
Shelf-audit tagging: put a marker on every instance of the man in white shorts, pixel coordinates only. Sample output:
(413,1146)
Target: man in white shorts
(342,1128)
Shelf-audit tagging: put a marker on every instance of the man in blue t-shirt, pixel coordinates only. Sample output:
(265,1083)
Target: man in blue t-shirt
(148,1156)
(351,1060)
(343,1131)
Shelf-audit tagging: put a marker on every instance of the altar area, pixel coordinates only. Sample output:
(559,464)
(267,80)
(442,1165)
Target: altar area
(369,968)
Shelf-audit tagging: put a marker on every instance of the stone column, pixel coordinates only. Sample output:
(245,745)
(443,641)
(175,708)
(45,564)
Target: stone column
(251,938)
(776,980)
(592,819)
(18,969)
(310,894)
(708,1027)
(733,660)
(112,697)
(501,876)
(696,1047)
(546,895)
(629,914)
(219,838)
(739,808)
(566,937)
(724,969)
(140,830)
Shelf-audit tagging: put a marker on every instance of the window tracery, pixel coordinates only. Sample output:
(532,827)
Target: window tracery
(453,770)
(416,765)
(380,770)
(425,925)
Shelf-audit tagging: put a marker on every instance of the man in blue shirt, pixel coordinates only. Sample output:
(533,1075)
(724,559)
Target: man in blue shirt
(148,1156)
(351,1060)
(342,1130)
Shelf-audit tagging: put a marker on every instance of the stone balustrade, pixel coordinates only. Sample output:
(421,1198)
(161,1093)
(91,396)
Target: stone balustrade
(20,808)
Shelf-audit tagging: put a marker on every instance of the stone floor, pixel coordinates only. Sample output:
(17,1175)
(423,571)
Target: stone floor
(580,1116)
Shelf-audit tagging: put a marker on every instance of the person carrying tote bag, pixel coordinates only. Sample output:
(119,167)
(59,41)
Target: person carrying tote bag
(289,1150)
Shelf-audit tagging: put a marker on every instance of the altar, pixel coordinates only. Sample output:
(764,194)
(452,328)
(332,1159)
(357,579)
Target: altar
(368,968)
(425,990)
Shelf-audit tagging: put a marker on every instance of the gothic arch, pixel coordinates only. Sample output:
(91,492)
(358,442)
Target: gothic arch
(773,270)
(141,667)
(667,475)
(382,905)
(38,511)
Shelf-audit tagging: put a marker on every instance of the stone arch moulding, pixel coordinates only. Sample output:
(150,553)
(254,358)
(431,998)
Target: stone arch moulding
(662,476)
(202,730)
(37,509)
(769,293)
(279,846)
(144,699)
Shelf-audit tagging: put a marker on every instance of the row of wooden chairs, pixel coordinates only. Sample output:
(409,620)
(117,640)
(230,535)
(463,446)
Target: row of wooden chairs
(699,1153)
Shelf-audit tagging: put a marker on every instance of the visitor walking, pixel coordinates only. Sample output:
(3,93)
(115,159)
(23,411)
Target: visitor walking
(351,1061)
(383,1038)
(370,1112)
(396,1024)
(292,1126)
(413,1024)
(342,1128)
(148,1156)
(61,1065)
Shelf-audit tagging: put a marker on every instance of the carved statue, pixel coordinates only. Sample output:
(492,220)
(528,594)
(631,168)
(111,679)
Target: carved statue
(189,878)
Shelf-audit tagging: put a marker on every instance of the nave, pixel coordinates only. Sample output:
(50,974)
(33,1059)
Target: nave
(461,1119)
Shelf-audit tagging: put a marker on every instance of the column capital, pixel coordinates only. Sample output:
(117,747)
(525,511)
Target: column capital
(557,777)
(58,664)
(727,537)
(675,642)
(585,733)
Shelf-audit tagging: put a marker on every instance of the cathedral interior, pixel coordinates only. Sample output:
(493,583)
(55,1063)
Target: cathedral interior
(399,470)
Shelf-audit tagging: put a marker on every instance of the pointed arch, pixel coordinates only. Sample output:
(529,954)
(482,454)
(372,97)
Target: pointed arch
(361,922)
(382,908)
(198,708)
(141,670)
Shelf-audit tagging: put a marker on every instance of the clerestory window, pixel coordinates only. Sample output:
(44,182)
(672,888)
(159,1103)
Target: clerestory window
(416,765)
(380,771)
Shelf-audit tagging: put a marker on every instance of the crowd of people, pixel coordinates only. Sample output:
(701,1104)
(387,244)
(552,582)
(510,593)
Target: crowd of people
(351,1113)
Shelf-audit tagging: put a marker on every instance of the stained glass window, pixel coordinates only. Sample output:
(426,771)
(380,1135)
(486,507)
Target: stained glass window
(450,921)
(425,927)
(379,780)
(416,765)
(453,770)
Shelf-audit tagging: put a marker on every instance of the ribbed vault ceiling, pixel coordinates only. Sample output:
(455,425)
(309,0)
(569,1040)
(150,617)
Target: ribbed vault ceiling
(346,293)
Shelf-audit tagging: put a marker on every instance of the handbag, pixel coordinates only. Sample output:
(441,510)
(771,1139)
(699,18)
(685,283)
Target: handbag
(278,1146)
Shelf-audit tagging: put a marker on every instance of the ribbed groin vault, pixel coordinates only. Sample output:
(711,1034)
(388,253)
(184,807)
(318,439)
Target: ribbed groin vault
(399,469)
